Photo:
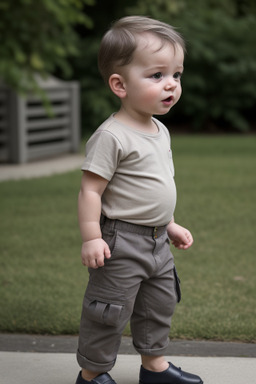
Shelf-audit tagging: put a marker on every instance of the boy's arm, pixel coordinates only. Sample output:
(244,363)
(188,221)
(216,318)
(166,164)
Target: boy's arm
(94,248)
(180,237)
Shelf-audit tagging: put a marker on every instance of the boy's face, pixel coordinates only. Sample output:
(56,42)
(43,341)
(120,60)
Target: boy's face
(152,79)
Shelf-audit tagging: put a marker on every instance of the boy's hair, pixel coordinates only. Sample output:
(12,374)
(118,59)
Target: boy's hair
(119,43)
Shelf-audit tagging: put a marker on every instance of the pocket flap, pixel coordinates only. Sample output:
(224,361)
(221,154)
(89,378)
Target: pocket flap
(104,313)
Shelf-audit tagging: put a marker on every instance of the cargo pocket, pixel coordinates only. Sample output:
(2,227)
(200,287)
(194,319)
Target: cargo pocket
(177,285)
(104,313)
(101,309)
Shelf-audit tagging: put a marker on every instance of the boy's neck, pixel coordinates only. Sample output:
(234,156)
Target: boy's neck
(144,124)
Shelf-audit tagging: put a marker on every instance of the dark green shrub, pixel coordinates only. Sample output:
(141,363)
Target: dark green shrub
(220,65)
(38,37)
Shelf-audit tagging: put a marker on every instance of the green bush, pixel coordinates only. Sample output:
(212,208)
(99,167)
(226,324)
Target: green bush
(97,100)
(220,70)
(38,37)
(220,65)
(62,37)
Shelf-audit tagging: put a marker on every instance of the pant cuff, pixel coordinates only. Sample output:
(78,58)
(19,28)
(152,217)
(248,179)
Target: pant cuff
(93,366)
(151,351)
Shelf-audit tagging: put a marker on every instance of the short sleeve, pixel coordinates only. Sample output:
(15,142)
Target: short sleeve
(103,153)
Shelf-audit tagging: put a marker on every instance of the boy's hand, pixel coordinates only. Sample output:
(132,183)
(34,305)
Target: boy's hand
(180,237)
(94,252)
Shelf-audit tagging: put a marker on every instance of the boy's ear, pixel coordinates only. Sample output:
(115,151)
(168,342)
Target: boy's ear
(117,85)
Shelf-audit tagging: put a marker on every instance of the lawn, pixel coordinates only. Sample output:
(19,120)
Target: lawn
(42,281)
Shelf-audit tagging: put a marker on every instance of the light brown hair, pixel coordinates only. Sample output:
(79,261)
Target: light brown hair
(119,43)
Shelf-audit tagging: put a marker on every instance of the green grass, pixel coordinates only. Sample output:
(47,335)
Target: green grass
(42,281)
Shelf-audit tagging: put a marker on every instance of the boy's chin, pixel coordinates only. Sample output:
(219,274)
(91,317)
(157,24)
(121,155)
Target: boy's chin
(162,113)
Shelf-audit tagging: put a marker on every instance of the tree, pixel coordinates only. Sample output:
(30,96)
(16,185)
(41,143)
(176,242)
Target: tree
(98,102)
(220,67)
(38,37)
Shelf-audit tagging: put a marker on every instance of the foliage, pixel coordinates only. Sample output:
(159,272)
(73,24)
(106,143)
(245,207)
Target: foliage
(220,65)
(97,100)
(38,37)
(62,37)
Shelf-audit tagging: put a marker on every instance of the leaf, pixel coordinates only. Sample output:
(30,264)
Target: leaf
(36,62)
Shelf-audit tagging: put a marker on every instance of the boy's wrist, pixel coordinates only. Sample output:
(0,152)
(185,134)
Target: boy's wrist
(91,239)
(90,231)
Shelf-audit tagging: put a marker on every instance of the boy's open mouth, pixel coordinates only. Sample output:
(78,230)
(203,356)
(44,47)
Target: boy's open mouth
(168,100)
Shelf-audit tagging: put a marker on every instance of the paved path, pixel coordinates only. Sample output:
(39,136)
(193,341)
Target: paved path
(41,168)
(68,344)
(62,368)
(29,359)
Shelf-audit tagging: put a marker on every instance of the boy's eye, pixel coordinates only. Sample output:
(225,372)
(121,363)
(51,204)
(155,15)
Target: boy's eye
(177,75)
(157,75)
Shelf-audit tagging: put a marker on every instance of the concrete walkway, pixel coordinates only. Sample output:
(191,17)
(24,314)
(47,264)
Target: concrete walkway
(28,359)
(61,368)
(41,168)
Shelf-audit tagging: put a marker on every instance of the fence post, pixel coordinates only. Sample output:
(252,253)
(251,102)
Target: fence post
(75,116)
(18,133)
(4,126)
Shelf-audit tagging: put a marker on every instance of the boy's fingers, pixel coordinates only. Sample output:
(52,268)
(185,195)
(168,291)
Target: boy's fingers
(107,252)
(92,264)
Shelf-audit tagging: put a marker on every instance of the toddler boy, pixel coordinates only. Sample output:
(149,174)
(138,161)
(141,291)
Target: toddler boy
(126,206)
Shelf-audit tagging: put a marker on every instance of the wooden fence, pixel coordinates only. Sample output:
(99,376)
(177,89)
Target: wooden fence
(29,132)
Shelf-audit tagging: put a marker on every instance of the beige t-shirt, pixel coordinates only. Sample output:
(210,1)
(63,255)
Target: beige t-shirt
(139,168)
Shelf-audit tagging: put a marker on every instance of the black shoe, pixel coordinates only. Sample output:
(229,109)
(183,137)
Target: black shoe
(171,375)
(104,378)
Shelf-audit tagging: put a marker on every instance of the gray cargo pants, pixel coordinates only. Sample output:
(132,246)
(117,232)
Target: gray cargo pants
(138,284)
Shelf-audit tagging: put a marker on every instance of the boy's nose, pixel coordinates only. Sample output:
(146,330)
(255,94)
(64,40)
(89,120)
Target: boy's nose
(170,83)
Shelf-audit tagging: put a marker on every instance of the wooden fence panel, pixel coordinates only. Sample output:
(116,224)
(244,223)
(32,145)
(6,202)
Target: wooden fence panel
(30,130)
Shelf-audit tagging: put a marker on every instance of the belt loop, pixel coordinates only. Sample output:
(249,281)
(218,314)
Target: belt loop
(113,224)
(155,232)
